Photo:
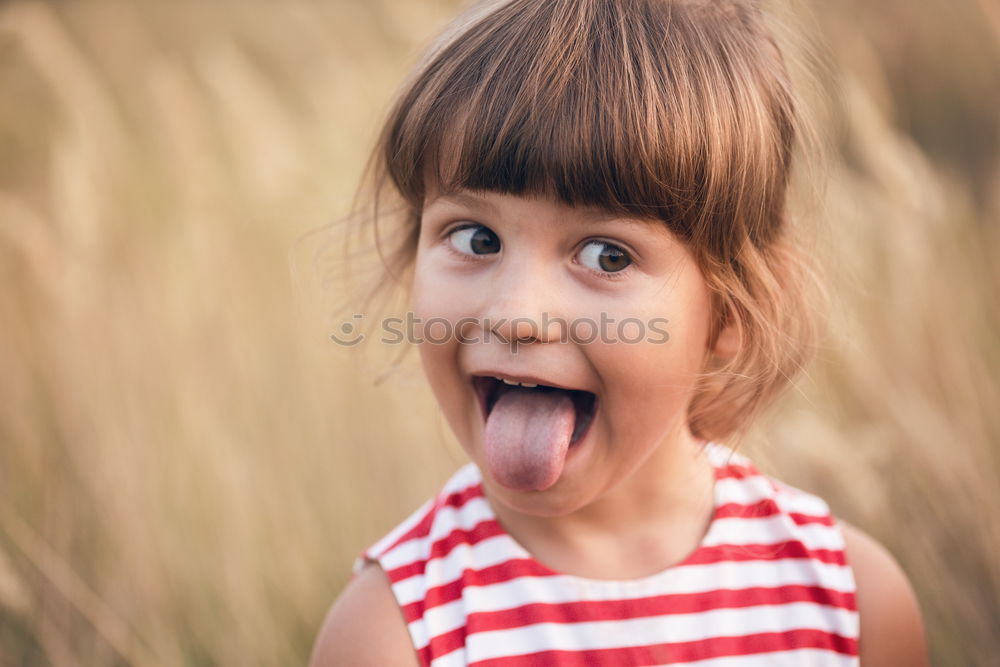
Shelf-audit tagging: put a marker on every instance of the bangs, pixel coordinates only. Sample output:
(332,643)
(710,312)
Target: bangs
(634,107)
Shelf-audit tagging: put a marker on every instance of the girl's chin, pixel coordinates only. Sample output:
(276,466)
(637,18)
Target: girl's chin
(558,500)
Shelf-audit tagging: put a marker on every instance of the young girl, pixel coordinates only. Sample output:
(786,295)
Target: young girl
(593,217)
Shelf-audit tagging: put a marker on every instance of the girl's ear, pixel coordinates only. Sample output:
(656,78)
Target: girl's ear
(727,343)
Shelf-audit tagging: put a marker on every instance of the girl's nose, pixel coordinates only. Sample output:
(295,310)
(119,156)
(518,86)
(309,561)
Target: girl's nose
(522,307)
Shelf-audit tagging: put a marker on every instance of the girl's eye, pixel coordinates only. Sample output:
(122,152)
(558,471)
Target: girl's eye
(604,257)
(475,240)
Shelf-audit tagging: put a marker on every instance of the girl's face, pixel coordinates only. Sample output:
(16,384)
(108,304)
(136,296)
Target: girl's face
(537,292)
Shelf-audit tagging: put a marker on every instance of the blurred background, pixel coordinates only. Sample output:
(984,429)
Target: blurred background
(188,464)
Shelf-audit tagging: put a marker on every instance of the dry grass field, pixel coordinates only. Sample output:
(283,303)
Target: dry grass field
(188,464)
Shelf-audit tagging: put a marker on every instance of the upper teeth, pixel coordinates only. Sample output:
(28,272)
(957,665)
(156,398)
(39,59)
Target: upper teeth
(520,384)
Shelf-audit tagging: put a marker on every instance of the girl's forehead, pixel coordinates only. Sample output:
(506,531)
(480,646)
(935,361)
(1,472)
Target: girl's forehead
(495,203)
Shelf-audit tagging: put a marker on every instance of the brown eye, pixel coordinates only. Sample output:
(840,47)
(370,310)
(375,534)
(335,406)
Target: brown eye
(605,257)
(475,240)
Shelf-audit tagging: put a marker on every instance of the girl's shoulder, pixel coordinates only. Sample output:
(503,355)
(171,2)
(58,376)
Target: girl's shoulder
(892,629)
(364,625)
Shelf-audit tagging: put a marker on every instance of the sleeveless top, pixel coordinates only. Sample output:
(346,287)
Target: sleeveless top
(769,584)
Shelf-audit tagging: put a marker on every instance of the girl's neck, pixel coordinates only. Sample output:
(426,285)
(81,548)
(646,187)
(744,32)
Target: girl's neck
(648,522)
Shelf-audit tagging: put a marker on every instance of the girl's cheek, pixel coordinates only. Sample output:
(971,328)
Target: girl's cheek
(437,284)
(428,285)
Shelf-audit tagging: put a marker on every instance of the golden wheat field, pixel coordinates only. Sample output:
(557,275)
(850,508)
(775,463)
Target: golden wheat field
(188,464)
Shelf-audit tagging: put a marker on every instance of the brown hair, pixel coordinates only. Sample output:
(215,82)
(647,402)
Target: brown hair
(679,111)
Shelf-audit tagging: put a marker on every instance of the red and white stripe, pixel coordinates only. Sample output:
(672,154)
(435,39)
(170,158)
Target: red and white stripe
(768,585)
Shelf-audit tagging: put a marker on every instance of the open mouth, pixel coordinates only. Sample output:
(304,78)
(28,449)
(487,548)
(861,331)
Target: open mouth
(489,390)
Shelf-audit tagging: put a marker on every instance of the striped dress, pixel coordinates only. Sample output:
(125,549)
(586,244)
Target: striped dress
(768,585)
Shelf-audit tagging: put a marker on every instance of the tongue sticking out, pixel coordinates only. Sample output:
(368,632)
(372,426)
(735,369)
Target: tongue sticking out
(527,435)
